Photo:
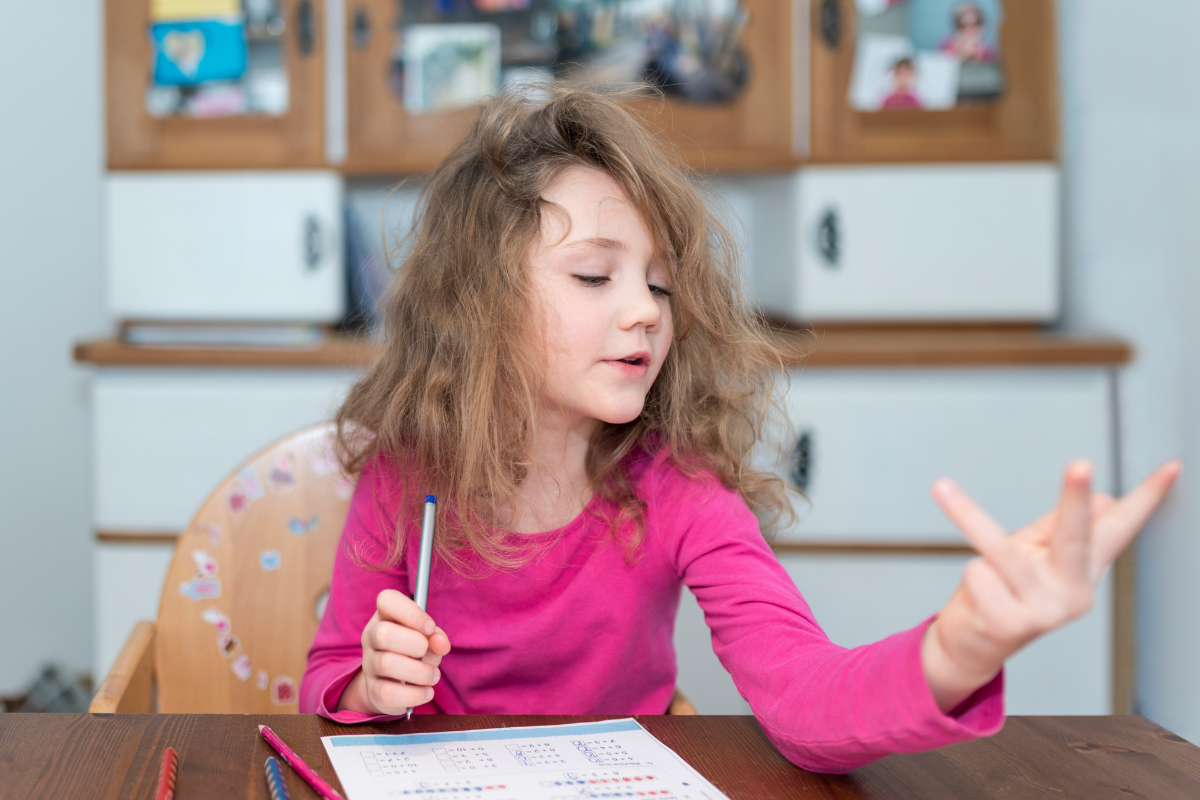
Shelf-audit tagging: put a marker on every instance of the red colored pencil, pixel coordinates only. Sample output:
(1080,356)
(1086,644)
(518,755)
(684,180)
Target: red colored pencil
(295,762)
(166,775)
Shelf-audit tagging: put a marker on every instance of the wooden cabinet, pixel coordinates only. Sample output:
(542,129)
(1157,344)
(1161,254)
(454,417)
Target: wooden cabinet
(762,127)
(859,598)
(870,443)
(872,553)
(137,140)
(254,246)
(872,556)
(344,110)
(1022,125)
(907,243)
(162,441)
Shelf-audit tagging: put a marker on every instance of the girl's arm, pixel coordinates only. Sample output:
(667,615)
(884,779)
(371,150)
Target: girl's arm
(367,611)
(1031,582)
(832,709)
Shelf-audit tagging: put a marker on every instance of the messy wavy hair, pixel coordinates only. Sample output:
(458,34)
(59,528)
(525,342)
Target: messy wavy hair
(457,382)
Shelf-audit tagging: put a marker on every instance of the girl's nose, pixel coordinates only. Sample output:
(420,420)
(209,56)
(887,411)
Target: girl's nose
(640,308)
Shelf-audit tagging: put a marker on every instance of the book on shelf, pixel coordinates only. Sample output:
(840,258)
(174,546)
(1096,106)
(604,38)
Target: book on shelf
(156,334)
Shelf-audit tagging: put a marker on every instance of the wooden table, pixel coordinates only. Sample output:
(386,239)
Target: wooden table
(66,756)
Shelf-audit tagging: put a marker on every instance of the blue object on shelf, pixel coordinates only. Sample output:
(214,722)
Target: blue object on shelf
(187,52)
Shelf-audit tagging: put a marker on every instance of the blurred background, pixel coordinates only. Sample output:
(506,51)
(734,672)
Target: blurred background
(972,216)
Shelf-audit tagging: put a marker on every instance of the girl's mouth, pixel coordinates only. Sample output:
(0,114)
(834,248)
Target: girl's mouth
(634,365)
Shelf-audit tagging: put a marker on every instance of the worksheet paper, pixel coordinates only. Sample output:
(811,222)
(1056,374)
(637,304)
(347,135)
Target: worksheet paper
(616,758)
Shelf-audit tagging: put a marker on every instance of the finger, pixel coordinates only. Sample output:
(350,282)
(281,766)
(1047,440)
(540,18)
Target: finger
(390,637)
(1044,525)
(1002,611)
(986,535)
(393,698)
(1072,532)
(400,668)
(1122,521)
(1101,503)
(398,608)
(439,643)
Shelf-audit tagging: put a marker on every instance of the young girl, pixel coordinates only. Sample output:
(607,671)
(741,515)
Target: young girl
(570,367)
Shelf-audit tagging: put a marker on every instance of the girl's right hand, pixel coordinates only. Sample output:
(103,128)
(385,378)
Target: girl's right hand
(402,647)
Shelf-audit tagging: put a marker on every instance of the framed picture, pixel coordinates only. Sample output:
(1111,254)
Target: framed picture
(450,66)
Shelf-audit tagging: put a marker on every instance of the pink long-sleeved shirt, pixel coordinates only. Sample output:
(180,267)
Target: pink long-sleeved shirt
(583,629)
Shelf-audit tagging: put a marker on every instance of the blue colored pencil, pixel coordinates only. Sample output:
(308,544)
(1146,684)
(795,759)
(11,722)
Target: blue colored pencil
(275,782)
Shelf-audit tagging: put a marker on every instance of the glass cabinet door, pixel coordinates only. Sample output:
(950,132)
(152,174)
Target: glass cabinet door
(215,83)
(933,80)
(728,71)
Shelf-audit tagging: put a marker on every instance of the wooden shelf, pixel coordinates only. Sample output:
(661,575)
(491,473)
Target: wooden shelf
(949,346)
(867,346)
(334,353)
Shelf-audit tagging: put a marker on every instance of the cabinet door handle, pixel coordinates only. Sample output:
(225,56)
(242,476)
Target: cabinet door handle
(306,27)
(829,238)
(829,23)
(362,29)
(314,243)
(800,463)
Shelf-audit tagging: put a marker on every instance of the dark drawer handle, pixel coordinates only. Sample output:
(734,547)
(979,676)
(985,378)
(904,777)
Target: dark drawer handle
(306,27)
(829,238)
(829,23)
(800,466)
(362,29)
(314,243)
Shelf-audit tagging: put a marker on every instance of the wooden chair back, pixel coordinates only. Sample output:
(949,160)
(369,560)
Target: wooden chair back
(248,582)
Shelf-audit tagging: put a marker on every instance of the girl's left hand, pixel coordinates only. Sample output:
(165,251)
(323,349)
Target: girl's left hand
(1029,583)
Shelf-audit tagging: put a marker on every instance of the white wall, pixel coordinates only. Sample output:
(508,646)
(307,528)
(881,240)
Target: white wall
(1132,155)
(50,296)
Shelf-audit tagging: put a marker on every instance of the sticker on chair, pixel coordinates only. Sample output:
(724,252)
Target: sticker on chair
(229,646)
(283,691)
(269,560)
(241,667)
(300,527)
(211,530)
(214,617)
(199,589)
(206,565)
(281,478)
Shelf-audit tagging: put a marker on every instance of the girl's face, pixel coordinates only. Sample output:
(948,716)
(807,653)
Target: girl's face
(603,299)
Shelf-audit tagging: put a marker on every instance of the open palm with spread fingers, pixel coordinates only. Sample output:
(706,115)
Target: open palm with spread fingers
(1029,582)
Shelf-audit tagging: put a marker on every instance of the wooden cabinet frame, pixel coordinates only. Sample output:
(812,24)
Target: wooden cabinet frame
(762,129)
(1021,126)
(137,140)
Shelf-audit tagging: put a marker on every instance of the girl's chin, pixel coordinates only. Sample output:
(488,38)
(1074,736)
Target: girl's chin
(618,416)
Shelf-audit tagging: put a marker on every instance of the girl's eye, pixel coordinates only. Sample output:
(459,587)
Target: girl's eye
(592,280)
(660,290)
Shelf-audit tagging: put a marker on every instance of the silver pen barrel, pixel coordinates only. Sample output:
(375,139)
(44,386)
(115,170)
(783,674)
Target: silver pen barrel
(422,593)
(421,596)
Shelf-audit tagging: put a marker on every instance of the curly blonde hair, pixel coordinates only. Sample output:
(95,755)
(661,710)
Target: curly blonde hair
(455,384)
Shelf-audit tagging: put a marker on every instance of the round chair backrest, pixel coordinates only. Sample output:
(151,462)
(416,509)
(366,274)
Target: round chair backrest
(248,582)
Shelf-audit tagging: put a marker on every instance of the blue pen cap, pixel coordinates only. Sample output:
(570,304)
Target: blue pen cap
(430,499)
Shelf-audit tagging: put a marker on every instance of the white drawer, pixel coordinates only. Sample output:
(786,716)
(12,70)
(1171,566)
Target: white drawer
(870,443)
(127,584)
(858,599)
(224,246)
(165,439)
(970,242)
